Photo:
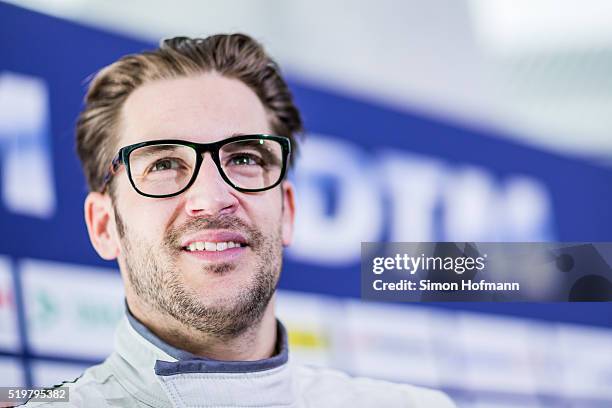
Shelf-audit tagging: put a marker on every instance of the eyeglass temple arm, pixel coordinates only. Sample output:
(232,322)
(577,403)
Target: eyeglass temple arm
(112,169)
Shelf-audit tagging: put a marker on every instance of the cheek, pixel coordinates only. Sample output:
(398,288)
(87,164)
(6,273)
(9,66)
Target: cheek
(144,217)
(273,214)
(266,215)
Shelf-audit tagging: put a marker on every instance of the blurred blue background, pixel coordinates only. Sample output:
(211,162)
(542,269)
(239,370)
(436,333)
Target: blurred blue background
(426,121)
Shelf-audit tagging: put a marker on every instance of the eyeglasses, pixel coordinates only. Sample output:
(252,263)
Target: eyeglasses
(166,168)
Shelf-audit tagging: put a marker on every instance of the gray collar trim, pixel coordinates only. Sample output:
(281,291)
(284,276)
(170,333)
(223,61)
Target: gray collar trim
(190,363)
(156,341)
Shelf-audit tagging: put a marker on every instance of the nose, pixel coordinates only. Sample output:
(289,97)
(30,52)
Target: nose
(210,195)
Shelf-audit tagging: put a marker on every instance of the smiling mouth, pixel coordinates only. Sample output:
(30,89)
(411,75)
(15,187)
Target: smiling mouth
(206,246)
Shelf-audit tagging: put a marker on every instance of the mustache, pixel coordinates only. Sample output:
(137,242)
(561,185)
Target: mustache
(226,222)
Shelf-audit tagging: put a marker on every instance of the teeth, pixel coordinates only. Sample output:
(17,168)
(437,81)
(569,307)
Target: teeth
(212,246)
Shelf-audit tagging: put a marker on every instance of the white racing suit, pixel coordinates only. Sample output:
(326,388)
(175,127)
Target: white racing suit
(143,371)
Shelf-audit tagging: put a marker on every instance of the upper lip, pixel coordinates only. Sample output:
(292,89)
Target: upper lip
(215,236)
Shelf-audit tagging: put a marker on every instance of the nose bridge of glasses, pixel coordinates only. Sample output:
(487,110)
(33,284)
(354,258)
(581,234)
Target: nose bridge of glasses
(207,149)
(208,164)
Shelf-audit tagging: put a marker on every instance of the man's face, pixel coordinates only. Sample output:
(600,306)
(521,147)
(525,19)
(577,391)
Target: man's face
(220,293)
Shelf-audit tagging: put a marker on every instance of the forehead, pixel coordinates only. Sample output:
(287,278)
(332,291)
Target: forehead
(202,108)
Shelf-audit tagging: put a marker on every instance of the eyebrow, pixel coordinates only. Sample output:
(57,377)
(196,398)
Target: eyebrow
(247,142)
(154,149)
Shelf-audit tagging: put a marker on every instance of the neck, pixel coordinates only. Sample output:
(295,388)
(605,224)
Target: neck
(256,343)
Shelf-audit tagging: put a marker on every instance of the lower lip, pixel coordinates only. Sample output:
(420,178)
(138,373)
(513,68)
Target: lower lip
(227,255)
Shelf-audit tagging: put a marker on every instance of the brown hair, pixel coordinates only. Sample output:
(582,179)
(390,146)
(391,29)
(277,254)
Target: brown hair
(235,56)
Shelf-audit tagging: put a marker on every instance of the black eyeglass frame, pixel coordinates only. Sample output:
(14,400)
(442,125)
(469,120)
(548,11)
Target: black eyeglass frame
(123,157)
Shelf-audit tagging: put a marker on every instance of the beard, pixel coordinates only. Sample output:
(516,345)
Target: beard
(156,279)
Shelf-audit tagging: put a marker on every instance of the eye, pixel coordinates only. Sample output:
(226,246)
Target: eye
(165,164)
(245,159)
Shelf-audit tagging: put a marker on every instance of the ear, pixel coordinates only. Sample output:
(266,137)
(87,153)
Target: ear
(288,216)
(100,220)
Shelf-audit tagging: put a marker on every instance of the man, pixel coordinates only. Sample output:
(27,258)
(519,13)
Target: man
(185,149)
